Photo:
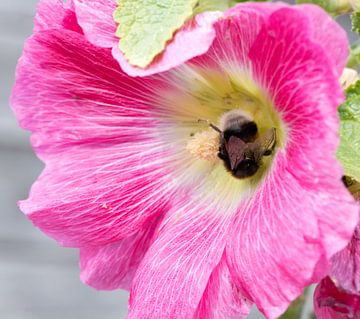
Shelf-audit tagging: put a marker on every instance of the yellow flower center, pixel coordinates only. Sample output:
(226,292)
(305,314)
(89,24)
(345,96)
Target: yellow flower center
(203,96)
(209,97)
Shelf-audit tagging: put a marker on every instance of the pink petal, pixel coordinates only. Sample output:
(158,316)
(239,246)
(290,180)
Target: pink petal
(332,303)
(345,265)
(297,94)
(235,35)
(222,299)
(114,265)
(173,276)
(106,174)
(104,102)
(303,102)
(98,194)
(243,22)
(277,239)
(329,34)
(55,14)
(96,19)
(287,209)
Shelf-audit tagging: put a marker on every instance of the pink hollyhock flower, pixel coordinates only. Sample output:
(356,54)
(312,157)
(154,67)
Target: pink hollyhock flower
(344,265)
(132,177)
(332,302)
(338,296)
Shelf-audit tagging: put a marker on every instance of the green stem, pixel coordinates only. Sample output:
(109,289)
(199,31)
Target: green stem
(307,311)
(354,57)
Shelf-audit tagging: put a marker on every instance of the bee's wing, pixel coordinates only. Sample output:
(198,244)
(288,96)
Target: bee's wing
(265,143)
(235,148)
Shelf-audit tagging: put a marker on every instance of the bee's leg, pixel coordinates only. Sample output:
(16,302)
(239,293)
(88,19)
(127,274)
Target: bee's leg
(225,158)
(222,156)
(222,153)
(215,128)
(268,153)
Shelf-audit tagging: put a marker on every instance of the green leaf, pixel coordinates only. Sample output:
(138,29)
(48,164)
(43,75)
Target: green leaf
(354,57)
(334,7)
(218,5)
(213,5)
(325,4)
(349,150)
(146,25)
(295,308)
(355,21)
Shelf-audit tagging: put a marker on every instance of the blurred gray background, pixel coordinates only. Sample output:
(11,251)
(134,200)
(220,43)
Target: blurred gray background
(38,279)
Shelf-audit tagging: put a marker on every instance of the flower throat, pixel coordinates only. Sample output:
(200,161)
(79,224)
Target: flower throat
(245,130)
